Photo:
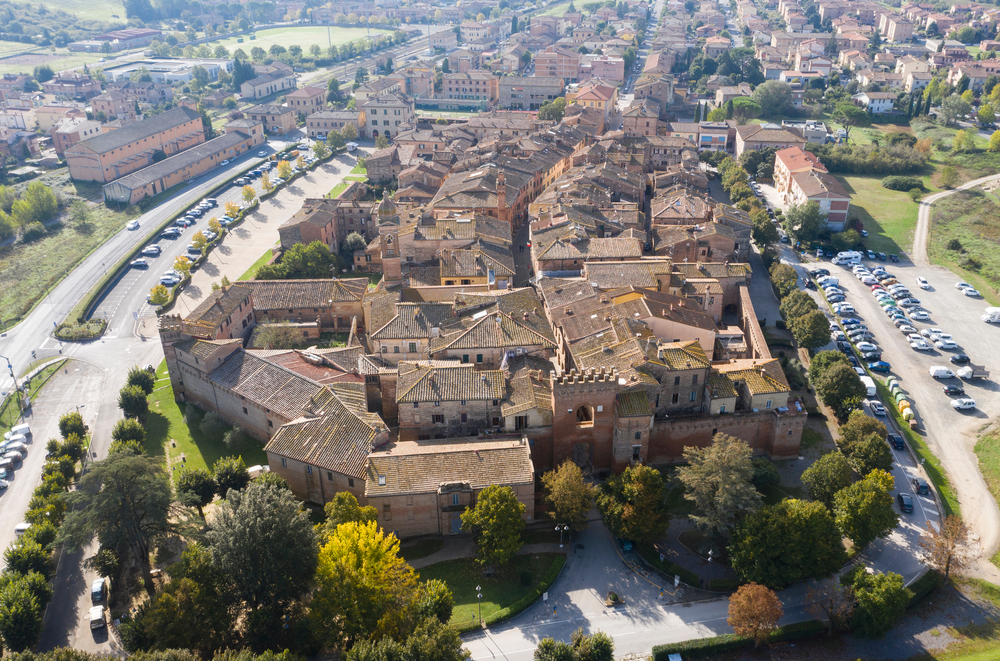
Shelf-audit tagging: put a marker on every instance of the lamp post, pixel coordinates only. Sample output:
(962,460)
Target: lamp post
(562,527)
(479,596)
(17,391)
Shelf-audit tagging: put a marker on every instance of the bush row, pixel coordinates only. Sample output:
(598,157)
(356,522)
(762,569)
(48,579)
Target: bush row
(730,642)
(904,184)
(527,600)
(869,159)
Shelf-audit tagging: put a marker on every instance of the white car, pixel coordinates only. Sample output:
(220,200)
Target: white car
(169,281)
(970,292)
(906,328)
(930,332)
(919,345)
(226,162)
(134,225)
(919,315)
(963,285)
(262,154)
(945,344)
(860,371)
(963,403)
(869,280)
(865,347)
(922,283)
(877,408)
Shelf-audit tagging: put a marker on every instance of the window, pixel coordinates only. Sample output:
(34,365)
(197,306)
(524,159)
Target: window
(350,481)
(465,357)
(767,405)
(416,405)
(437,419)
(413,347)
(386,513)
(329,476)
(722,409)
(395,349)
(465,417)
(437,403)
(479,357)
(677,380)
(309,470)
(675,398)
(454,499)
(694,380)
(284,463)
(385,349)
(636,451)
(270,423)
(463,402)
(381,480)
(694,396)
(638,435)
(245,412)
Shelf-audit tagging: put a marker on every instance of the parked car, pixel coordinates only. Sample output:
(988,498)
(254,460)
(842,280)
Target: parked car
(963,404)
(945,344)
(970,292)
(877,408)
(896,441)
(905,503)
(879,366)
(963,285)
(139,263)
(226,162)
(919,315)
(954,391)
(959,359)
(151,251)
(922,283)
(893,258)
(866,346)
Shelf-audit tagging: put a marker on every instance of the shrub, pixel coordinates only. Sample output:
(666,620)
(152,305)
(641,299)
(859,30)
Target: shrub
(902,183)
(730,642)
(33,232)
(212,425)
(954,244)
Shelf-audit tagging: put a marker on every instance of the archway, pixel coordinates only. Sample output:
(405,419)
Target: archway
(585,414)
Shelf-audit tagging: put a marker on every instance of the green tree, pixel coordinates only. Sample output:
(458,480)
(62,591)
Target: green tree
(812,330)
(745,109)
(129,429)
(132,401)
(846,240)
(301,261)
(196,487)
(125,499)
(335,139)
(350,132)
(719,481)
(352,242)
(362,585)
(139,376)
(828,475)
(631,504)
(598,646)
(41,201)
(773,95)
(864,510)
(569,497)
(954,107)
(994,142)
(787,542)
(857,428)
(785,279)
(871,453)
(986,114)
(26,556)
(265,546)
(230,473)
(717,115)
(840,388)
(804,221)
(381,142)
(159,295)
(796,304)
(553,110)
(949,176)
(20,616)
(72,423)
(344,508)
(823,361)
(496,523)
(881,601)
(320,150)
(850,116)
(764,233)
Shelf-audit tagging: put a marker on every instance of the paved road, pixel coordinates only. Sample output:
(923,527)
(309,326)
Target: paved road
(922,233)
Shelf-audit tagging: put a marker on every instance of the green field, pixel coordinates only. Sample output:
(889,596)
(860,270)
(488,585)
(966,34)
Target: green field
(59,60)
(988,452)
(889,216)
(972,218)
(91,10)
(556,10)
(304,36)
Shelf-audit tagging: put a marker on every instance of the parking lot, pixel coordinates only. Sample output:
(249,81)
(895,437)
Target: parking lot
(950,433)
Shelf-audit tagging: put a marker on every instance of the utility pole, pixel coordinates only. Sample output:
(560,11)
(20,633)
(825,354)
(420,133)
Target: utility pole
(17,390)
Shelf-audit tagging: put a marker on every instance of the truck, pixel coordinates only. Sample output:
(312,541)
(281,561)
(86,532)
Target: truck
(991,315)
(973,372)
(869,385)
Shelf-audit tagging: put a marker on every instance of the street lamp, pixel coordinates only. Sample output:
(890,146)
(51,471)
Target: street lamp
(479,596)
(17,391)
(562,527)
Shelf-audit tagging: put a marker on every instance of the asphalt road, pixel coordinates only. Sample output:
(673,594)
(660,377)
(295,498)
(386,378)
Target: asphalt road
(950,434)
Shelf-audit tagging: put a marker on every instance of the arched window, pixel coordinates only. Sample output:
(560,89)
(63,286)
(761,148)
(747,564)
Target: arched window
(585,415)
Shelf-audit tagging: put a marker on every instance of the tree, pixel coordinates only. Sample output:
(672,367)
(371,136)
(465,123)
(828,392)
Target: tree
(745,109)
(569,497)
(850,116)
(774,95)
(864,510)
(266,548)
(284,169)
(857,428)
(140,376)
(43,73)
(828,475)
(199,241)
(994,142)
(25,556)
(72,423)
(719,481)
(20,616)
(871,453)
(841,389)
(881,601)
(344,508)
(350,132)
(127,430)
(381,142)
(596,647)
(320,150)
(159,295)
(812,330)
(717,115)
(196,487)
(132,401)
(124,499)
(833,602)
(631,504)
(796,304)
(553,110)
(362,585)
(954,107)
(352,242)
(949,176)
(232,209)
(183,266)
(946,546)
(199,77)
(787,542)
(804,221)
(963,141)
(986,114)
(230,474)
(496,523)
(248,194)
(785,279)
(754,612)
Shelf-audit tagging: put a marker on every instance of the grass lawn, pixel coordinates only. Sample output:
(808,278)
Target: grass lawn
(60,59)
(988,452)
(94,10)
(556,10)
(305,36)
(355,177)
(252,271)
(359,169)
(421,549)
(500,591)
(10,412)
(336,191)
(889,216)
(168,435)
(972,218)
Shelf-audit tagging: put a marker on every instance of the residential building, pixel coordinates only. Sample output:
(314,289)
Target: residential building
(49,116)
(75,86)
(529,93)
(68,132)
(384,114)
(319,124)
(445,40)
(307,100)
(758,136)
(877,103)
(473,85)
(824,189)
(276,119)
(558,62)
(716,46)
(114,105)
(790,161)
(111,155)
(604,67)
(268,84)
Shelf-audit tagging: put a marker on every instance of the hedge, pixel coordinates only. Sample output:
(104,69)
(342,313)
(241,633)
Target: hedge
(730,642)
(902,183)
(523,602)
(724,584)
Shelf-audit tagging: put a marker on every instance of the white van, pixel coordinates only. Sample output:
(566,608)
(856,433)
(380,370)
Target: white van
(18,430)
(21,528)
(869,385)
(991,316)
(351,146)
(940,372)
(97,620)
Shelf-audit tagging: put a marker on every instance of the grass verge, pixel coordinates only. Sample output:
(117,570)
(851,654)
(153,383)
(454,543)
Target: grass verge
(964,232)
(338,189)
(170,435)
(10,412)
(504,594)
(422,549)
(889,216)
(988,451)
(252,271)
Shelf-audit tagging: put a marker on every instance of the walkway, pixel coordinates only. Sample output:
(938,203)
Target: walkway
(919,252)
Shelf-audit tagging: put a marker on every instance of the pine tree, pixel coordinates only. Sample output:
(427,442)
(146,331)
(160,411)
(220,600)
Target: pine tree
(697,113)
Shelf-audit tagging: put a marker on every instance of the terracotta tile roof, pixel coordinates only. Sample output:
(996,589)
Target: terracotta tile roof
(447,381)
(768,133)
(720,386)
(219,304)
(669,235)
(613,275)
(265,383)
(681,355)
(204,348)
(426,466)
(140,130)
(634,404)
(663,306)
(528,387)
(818,184)
(796,159)
(290,294)
(713,270)
(500,319)
(590,249)
(337,437)
(410,320)
(760,377)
